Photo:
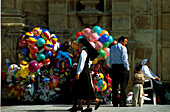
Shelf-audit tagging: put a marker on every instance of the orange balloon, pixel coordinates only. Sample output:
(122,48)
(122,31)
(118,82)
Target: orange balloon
(74,45)
(37,31)
(104,32)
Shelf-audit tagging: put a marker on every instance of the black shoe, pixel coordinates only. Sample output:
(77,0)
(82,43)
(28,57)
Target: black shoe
(115,105)
(98,105)
(123,106)
(79,108)
(72,109)
(87,110)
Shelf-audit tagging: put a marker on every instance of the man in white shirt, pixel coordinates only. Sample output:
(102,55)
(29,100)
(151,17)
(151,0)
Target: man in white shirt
(120,70)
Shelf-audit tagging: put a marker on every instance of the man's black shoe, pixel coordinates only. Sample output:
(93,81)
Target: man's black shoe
(79,108)
(72,109)
(87,110)
(123,106)
(115,105)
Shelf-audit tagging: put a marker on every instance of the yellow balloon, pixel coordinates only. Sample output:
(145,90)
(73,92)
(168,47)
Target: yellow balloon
(95,61)
(20,56)
(23,62)
(101,76)
(24,71)
(104,86)
(23,37)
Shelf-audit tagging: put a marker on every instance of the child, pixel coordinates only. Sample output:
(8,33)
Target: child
(74,90)
(138,81)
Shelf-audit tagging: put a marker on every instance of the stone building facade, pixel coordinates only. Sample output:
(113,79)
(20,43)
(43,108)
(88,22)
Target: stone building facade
(145,22)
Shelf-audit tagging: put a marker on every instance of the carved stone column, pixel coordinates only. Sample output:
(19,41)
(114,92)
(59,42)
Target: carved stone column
(90,14)
(58,18)
(131,55)
(12,22)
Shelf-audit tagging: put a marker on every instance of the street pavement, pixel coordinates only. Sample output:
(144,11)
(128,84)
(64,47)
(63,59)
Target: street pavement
(102,108)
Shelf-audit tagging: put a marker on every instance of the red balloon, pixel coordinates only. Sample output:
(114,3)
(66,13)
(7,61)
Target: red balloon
(23,43)
(32,55)
(33,49)
(78,34)
(33,66)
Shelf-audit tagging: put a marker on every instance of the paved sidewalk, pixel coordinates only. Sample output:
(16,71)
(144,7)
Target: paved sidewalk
(103,108)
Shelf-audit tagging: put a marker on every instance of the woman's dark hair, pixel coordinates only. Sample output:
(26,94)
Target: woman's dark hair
(92,52)
(138,67)
(122,38)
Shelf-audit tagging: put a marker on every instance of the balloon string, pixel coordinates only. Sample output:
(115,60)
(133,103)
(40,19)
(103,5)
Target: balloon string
(101,70)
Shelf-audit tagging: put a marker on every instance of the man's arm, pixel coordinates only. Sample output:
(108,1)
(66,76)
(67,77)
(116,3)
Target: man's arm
(125,58)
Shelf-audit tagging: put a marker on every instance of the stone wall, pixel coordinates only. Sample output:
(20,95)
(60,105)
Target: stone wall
(145,22)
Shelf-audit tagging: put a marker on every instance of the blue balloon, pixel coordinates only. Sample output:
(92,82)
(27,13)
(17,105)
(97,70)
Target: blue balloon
(27,59)
(22,36)
(104,38)
(99,39)
(40,57)
(102,29)
(48,54)
(77,40)
(97,30)
(110,39)
(40,42)
(37,37)
(24,51)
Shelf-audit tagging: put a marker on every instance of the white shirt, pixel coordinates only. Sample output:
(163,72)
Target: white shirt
(118,55)
(147,72)
(82,59)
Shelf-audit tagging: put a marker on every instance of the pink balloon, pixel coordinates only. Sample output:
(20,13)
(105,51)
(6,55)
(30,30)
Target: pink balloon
(92,43)
(94,37)
(99,45)
(87,32)
(107,52)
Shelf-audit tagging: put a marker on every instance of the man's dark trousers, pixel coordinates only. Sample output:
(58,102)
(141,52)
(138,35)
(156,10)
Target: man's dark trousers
(119,75)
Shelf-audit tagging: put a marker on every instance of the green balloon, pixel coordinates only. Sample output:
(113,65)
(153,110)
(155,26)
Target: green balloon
(106,44)
(101,53)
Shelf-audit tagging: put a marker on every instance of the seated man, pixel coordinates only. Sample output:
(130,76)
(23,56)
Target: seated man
(157,84)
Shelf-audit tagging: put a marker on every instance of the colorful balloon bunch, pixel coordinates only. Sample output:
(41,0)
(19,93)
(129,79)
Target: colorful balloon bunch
(98,38)
(102,87)
(37,48)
